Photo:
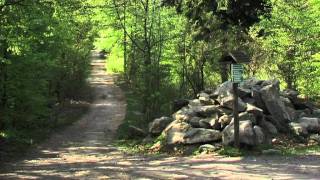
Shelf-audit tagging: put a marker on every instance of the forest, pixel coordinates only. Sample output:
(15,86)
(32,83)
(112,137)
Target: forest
(163,50)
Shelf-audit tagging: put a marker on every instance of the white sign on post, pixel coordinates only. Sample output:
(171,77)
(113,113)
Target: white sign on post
(236,73)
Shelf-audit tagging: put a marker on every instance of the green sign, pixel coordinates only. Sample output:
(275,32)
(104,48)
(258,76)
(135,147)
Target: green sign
(236,73)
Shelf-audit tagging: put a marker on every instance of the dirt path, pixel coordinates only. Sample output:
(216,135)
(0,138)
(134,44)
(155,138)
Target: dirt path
(84,151)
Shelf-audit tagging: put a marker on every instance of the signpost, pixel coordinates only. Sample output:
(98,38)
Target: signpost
(236,59)
(236,72)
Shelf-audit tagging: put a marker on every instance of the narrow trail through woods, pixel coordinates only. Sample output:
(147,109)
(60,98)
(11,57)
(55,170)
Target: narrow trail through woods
(85,151)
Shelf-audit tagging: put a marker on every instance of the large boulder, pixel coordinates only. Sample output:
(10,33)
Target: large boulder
(158,125)
(182,133)
(201,135)
(175,132)
(270,95)
(246,134)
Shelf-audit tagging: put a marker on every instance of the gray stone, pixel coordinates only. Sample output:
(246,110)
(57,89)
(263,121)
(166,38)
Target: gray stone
(224,111)
(315,137)
(244,92)
(247,116)
(203,123)
(286,102)
(290,93)
(184,114)
(298,129)
(175,132)
(223,90)
(205,111)
(258,101)
(316,113)
(158,125)
(228,103)
(311,124)
(200,135)
(271,98)
(204,99)
(246,133)
(254,110)
(268,127)
(250,83)
(194,102)
(194,122)
(225,120)
(213,122)
(208,148)
(260,137)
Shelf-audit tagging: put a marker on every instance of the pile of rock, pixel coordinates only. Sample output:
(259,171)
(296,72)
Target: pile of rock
(264,112)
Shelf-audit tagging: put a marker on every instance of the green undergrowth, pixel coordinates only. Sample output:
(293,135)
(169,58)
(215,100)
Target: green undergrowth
(14,143)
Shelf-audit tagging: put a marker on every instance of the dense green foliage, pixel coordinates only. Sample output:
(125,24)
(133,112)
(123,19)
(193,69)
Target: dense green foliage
(170,49)
(44,50)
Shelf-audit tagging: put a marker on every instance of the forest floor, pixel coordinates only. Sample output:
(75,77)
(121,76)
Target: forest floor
(85,151)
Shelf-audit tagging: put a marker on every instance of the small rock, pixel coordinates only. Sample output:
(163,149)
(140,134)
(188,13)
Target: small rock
(208,148)
(298,129)
(225,120)
(254,110)
(205,99)
(271,152)
(315,137)
(195,102)
(158,125)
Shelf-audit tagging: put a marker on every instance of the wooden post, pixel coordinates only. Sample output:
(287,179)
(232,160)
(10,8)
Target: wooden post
(236,115)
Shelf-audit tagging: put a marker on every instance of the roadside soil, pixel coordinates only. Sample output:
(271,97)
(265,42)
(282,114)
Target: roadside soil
(85,151)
